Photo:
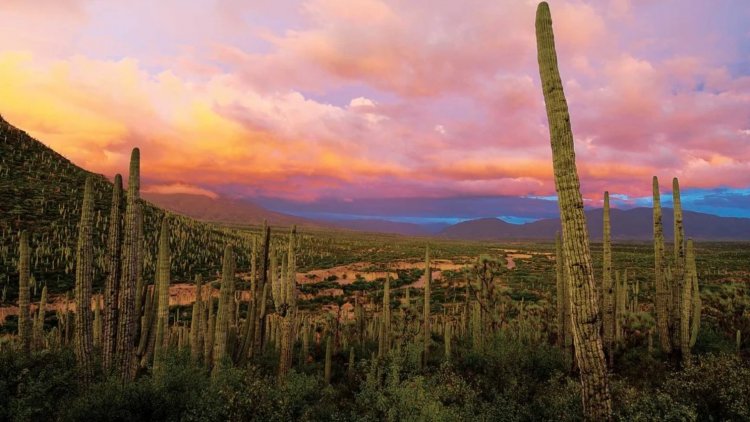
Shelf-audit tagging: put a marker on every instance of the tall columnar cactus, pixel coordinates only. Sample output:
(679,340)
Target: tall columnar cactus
(327,365)
(97,323)
(222,315)
(163,264)
(288,309)
(691,305)
(261,293)
(678,275)
(662,290)
(447,339)
(125,350)
(426,309)
(24,272)
(112,283)
(39,322)
(196,333)
(387,314)
(84,280)
(208,339)
(607,293)
(596,397)
(565,331)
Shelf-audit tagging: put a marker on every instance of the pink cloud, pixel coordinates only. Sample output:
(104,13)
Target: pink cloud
(312,98)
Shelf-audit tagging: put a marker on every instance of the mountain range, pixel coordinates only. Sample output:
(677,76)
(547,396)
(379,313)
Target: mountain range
(630,224)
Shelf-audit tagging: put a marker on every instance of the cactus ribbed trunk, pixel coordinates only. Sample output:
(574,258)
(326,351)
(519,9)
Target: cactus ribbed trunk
(607,293)
(163,263)
(426,309)
(678,275)
(688,323)
(39,332)
(196,333)
(288,309)
(125,350)
(660,283)
(112,283)
(261,293)
(327,365)
(24,273)
(596,397)
(84,280)
(223,314)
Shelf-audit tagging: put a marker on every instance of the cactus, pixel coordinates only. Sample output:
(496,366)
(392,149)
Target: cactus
(607,293)
(196,334)
(690,295)
(222,315)
(327,365)
(163,264)
(288,309)
(97,323)
(24,322)
(447,338)
(39,322)
(125,351)
(84,280)
(208,339)
(112,283)
(261,293)
(350,368)
(426,309)
(662,297)
(678,275)
(596,397)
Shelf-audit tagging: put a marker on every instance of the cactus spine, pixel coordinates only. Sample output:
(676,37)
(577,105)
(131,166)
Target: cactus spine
(125,353)
(163,263)
(223,314)
(24,271)
(112,283)
(585,309)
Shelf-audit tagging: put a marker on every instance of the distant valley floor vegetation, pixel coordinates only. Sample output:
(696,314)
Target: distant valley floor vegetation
(114,309)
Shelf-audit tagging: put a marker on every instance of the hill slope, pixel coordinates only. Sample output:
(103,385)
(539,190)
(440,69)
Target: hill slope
(41,191)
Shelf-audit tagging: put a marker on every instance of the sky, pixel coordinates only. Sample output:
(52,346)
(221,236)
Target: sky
(414,110)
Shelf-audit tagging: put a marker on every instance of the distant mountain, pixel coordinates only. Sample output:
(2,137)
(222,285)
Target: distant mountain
(385,226)
(632,224)
(224,210)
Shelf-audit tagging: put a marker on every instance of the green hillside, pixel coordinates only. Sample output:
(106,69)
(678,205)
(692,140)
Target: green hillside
(41,192)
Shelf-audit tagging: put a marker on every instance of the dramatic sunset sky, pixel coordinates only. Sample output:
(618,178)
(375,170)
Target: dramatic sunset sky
(413,110)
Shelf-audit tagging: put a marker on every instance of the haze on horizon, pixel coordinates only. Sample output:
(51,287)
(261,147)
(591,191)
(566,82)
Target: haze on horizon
(413,111)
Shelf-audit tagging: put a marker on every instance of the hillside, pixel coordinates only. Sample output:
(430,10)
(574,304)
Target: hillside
(632,224)
(41,191)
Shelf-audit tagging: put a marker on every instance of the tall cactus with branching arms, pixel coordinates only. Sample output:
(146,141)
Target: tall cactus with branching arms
(596,397)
